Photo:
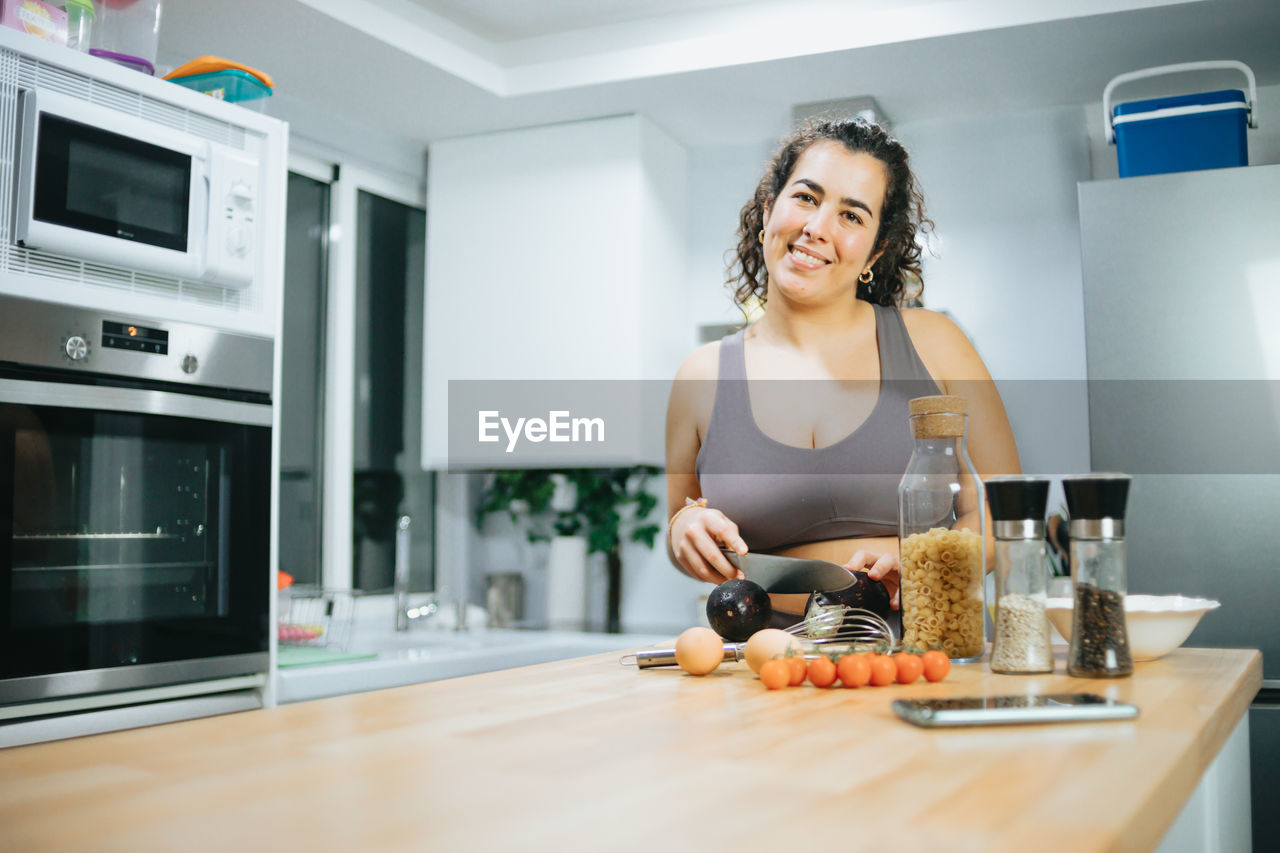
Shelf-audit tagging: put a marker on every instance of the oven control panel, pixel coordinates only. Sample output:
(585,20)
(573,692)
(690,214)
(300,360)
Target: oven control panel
(40,334)
(134,337)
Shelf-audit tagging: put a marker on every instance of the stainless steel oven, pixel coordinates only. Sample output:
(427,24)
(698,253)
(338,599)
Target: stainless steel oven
(135,460)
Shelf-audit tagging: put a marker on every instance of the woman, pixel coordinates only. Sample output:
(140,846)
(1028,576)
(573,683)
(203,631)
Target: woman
(809,466)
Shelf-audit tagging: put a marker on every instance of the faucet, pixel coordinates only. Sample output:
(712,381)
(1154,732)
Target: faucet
(406,615)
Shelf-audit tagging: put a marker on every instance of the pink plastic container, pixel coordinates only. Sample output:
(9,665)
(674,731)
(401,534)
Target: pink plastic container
(41,19)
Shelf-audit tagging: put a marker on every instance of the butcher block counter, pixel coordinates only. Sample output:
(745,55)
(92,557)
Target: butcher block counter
(587,754)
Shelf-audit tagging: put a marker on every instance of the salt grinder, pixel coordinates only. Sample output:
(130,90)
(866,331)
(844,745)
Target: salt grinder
(1021,642)
(1099,635)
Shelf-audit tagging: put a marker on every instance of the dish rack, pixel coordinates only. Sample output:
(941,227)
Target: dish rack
(313,616)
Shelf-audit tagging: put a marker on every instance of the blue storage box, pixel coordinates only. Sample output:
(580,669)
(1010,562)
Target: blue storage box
(1182,133)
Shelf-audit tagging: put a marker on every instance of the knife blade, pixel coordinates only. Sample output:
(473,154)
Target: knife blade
(791,574)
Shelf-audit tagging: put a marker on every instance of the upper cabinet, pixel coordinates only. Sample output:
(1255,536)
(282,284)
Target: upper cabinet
(554,254)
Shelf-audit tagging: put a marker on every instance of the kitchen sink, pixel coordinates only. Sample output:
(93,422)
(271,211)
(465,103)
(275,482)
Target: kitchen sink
(429,653)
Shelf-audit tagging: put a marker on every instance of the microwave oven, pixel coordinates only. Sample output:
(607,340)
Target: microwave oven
(96,184)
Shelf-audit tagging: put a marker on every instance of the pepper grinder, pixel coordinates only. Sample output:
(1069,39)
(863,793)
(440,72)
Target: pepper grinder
(1099,635)
(1021,643)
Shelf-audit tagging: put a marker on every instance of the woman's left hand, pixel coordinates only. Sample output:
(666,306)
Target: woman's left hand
(879,567)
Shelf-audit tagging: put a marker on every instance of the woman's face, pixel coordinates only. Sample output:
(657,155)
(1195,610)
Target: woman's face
(820,232)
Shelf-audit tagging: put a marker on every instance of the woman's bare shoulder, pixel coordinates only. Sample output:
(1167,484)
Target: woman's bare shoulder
(933,329)
(702,363)
(942,345)
(692,396)
(925,320)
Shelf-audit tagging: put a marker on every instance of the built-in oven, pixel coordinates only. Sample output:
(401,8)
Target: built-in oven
(135,460)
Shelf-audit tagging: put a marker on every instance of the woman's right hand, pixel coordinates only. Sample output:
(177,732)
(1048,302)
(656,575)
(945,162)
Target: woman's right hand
(696,540)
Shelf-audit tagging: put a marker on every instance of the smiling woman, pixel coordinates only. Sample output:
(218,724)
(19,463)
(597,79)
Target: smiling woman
(794,429)
(881,176)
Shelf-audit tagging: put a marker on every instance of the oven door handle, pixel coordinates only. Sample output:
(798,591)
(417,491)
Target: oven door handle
(134,401)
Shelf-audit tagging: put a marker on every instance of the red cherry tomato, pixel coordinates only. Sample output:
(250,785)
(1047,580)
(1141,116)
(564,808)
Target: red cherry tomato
(854,670)
(822,672)
(910,667)
(775,673)
(797,669)
(883,670)
(936,665)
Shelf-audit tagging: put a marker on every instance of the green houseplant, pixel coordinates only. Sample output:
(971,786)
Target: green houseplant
(612,506)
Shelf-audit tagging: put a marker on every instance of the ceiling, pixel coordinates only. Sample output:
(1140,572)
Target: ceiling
(503,20)
(710,72)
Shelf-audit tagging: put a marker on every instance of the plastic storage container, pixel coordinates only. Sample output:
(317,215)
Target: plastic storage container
(39,18)
(942,528)
(228,85)
(127,32)
(1021,642)
(1181,133)
(224,79)
(80,18)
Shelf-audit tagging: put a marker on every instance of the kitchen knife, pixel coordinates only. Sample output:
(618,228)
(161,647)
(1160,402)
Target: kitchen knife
(791,574)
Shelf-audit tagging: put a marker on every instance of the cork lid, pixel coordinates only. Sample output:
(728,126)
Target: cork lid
(939,416)
(939,404)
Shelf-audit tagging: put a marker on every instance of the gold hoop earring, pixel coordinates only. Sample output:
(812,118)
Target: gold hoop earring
(867,275)
(761,237)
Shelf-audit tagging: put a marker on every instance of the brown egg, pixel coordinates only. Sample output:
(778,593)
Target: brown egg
(768,644)
(699,650)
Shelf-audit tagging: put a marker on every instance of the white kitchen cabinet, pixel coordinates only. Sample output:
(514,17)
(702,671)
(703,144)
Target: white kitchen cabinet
(142,107)
(554,253)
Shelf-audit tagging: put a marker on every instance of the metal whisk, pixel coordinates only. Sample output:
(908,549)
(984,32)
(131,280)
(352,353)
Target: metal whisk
(823,631)
(841,625)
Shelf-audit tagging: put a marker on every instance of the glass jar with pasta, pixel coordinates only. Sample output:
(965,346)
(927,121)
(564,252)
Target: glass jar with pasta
(942,535)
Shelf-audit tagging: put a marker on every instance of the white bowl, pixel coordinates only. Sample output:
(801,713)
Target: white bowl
(1157,624)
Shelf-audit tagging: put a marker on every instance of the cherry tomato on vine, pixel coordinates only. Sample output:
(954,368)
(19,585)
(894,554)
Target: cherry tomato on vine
(854,670)
(910,667)
(822,672)
(775,673)
(797,670)
(936,665)
(883,670)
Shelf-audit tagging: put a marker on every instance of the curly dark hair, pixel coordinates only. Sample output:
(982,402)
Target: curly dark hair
(897,272)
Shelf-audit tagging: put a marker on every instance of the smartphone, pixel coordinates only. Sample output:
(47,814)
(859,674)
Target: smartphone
(1004,710)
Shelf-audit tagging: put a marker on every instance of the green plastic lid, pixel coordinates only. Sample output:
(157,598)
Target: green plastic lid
(85,5)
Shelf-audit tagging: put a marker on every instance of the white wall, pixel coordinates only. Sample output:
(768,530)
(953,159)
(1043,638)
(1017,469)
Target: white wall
(721,180)
(1002,192)
(316,131)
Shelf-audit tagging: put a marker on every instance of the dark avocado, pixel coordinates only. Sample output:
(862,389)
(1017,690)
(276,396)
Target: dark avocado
(737,609)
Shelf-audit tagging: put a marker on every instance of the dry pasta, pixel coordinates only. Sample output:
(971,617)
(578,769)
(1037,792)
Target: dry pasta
(942,576)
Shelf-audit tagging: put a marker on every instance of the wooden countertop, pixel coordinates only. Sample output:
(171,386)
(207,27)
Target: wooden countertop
(588,755)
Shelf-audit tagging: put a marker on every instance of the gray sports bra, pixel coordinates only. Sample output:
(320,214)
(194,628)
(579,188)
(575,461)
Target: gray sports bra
(781,495)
